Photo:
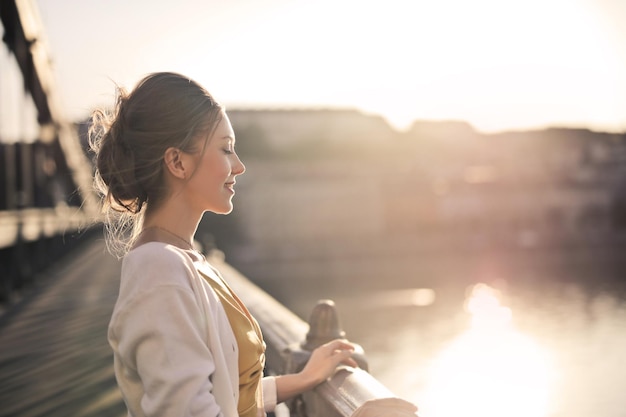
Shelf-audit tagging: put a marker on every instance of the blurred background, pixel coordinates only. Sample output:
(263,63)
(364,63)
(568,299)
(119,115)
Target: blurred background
(451,173)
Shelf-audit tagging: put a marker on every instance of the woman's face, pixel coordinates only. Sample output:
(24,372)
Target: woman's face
(211,186)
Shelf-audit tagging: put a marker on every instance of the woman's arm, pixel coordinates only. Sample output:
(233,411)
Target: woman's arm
(157,338)
(159,335)
(323,362)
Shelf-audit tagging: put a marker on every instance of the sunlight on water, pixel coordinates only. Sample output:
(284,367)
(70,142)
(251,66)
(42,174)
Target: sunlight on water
(487,312)
(491,369)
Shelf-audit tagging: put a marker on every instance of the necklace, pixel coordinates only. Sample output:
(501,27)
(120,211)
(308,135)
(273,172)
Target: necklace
(180,238)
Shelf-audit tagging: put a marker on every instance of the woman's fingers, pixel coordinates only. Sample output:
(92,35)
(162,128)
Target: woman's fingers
(342,351)
(350,362)
(339,345)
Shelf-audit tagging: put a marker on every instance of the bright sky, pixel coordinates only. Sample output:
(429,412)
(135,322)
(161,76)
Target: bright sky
(498,64)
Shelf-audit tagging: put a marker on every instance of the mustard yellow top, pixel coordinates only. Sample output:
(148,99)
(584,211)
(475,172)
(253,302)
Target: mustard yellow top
(251,348)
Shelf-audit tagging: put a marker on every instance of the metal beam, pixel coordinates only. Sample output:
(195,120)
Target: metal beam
(24,36)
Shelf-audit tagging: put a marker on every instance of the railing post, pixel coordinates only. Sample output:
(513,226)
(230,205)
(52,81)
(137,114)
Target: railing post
(324,326)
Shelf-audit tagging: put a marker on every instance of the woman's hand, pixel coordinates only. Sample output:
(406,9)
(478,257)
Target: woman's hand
(321,365)
(325,359)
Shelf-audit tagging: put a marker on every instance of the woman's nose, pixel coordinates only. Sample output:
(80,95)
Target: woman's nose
(239,167)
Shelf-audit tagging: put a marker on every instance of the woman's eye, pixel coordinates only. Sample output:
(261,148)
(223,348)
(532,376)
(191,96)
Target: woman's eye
(228,151)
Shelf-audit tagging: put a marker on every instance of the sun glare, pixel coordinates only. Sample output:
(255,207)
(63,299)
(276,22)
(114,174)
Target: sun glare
(495,64)
(491,370)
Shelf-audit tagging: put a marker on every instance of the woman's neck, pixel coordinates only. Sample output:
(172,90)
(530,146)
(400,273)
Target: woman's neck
(171,224)
(164,235)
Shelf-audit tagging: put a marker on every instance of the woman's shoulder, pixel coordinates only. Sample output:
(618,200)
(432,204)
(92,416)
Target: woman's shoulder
(161,263)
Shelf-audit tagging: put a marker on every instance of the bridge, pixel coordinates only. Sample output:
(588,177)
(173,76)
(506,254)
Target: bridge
(58,285)
(45,176)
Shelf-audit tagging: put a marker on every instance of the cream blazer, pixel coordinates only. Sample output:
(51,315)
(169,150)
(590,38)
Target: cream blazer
(174,351)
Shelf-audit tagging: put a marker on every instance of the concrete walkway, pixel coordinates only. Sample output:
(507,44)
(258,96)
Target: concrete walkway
(54,356)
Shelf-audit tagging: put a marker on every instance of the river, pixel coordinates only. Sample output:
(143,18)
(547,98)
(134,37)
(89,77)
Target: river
(544,347)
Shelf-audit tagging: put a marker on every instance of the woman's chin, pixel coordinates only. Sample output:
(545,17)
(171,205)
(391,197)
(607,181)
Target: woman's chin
(222,210)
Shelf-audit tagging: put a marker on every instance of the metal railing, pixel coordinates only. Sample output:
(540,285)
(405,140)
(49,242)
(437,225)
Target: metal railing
(290,341)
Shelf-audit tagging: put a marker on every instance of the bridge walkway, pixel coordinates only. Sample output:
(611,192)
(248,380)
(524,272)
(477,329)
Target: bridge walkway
(54,356)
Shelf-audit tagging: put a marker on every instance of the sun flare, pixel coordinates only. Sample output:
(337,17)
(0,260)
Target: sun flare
(490,370)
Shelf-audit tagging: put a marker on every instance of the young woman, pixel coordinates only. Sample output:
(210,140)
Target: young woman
(184,344)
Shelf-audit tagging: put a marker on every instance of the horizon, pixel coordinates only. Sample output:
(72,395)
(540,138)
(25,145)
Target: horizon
(408,128)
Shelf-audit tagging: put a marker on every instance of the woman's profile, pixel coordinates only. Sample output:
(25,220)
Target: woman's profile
(184,344)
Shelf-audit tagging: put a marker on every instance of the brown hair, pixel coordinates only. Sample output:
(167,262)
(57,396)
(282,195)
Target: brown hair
(164,110)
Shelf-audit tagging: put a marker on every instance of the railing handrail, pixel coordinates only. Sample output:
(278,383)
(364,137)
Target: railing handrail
(285,334)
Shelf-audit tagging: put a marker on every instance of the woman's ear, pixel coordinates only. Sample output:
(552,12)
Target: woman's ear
(175,162)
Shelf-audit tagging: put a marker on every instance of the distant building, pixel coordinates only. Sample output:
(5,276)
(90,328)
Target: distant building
(281,128)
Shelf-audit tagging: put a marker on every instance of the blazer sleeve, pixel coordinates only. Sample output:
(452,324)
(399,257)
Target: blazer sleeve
(269,393)
(160,337)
